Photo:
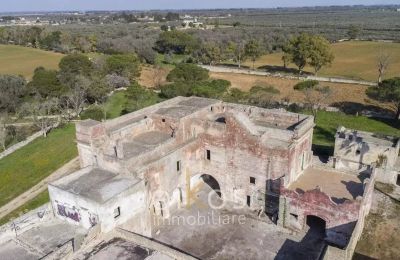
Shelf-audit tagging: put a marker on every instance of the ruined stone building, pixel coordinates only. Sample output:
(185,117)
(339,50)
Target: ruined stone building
(129,163)
(357,150)
(143,165)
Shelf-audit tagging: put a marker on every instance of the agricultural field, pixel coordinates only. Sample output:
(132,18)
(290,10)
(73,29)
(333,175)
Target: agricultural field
(353,59)
(341,92)
(29,165)
(17,60)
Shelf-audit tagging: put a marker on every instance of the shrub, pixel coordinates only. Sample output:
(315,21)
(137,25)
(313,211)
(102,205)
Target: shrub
(307,84)
(188,72)
(211,89)
(95,113)
(263,96)
(176,89)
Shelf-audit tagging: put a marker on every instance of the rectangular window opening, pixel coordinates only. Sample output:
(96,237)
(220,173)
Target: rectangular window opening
(252,180)
(208,155)
(178,166)
(117,212)
(398,180)
(248,201)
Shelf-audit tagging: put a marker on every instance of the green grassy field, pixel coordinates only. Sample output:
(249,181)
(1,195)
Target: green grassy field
(328,122)
(28,166)
(18,60)
(36,202)
(355,59)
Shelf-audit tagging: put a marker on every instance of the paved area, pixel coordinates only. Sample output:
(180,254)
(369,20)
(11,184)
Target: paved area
(68,168)
(333,183)
(121,249)
(40,240)
(226,236)
(11,250)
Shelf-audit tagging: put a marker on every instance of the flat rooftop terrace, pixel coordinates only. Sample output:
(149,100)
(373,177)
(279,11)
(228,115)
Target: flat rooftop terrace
(368,137)
(98,185)
(144,142)
(335,184)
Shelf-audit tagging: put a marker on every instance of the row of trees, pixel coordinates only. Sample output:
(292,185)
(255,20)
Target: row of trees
(212,52)
(302,50)
(67,42)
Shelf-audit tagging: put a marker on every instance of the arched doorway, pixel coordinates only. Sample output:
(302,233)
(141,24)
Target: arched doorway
(212,182)
(317,226)
(198,180)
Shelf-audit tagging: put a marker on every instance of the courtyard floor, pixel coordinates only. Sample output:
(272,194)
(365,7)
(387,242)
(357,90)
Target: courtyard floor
(226,235)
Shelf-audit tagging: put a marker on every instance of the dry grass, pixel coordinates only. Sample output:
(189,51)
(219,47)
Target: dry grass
(380,238)
(150,76)
(357,60)
(17,60)
(341,92)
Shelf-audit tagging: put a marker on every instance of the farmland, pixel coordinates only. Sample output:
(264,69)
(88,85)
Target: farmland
(17,60)
(353,59)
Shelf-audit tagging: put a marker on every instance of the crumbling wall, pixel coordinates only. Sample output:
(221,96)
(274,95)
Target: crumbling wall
(339,217)
(353,151)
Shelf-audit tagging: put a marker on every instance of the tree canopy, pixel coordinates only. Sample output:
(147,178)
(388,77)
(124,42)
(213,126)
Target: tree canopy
(387,91)
(46,83)
(188,72)
(75,64)
(176,42)
(125,65)
(12,89)
(313,50)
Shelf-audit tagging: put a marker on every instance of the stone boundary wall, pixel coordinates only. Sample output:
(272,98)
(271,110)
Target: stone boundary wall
(27,141)
(222,69)
(21,144)
(152,244)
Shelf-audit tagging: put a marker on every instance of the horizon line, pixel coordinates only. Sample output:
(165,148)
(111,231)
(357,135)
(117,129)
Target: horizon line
(196,9)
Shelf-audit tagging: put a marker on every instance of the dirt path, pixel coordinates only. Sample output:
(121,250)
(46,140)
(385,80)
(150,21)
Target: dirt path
(221,69)
(68,168)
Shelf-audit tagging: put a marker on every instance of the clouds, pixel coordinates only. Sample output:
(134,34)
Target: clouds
(53,5)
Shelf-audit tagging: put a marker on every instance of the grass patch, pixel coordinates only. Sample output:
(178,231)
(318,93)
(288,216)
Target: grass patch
(115,104)
(171,60)
(353,59)
(29,165)
(328,122)
(36,202)
(18,60)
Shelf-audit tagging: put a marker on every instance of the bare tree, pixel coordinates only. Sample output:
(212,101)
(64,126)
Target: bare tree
(115,81)
(383,64)
(42,112)
(76,98)
(316,97)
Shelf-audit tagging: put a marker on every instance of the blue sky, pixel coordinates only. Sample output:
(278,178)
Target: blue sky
(52,5)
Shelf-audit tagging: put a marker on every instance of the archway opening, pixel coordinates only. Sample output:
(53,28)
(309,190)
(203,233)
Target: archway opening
(212,182)
(317,225)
